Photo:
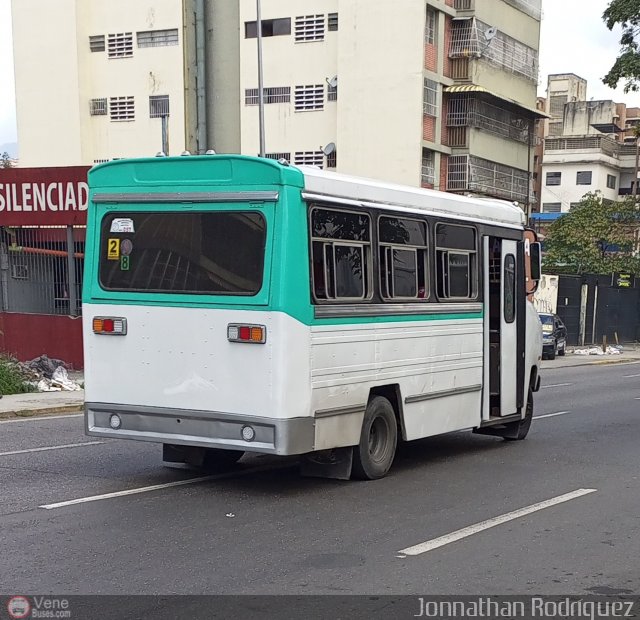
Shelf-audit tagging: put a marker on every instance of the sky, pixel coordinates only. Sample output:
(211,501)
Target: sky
(573,39)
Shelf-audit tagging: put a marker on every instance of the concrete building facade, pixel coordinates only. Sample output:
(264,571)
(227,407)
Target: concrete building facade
(94,79)
(439,93)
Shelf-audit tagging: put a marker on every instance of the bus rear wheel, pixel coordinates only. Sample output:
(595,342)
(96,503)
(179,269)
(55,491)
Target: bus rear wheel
(373,456)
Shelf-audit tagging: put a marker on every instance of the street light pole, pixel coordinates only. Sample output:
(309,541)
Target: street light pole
(260,79)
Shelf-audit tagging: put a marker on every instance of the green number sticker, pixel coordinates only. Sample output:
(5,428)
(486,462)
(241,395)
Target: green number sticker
(124,263)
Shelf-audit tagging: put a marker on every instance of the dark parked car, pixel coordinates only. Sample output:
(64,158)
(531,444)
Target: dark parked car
(554,336)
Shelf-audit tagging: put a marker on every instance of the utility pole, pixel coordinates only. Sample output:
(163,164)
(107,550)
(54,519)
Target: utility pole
(260,78)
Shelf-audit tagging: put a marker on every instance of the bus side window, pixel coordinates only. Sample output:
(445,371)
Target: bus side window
(340,255)
(456,262)
(403,258)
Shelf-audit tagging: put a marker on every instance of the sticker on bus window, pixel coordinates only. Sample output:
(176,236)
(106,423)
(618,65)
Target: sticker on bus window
(122,225)
(113,249)
(126,247)
(124,263)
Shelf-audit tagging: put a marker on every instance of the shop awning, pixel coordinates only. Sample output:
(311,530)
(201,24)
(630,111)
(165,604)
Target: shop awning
(474,88)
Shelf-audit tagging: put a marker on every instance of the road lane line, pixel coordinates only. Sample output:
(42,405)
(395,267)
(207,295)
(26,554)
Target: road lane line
(166,485)
(550,415)
(546,387)
(465,532)
(68,445)
(44,417)
(629,376)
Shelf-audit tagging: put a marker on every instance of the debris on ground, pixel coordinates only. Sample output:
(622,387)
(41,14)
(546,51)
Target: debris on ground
(617,350)
(44,374)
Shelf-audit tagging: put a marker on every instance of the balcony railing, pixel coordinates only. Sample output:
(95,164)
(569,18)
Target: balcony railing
(604,144)
(469,173)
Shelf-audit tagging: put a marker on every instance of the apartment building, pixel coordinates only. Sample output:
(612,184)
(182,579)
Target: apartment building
(97,80)
(439,93)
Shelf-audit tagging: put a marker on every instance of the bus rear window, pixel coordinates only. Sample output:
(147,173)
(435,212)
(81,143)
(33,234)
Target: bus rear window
(212,253)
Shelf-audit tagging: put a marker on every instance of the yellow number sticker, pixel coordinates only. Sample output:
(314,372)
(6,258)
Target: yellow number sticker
(113,249)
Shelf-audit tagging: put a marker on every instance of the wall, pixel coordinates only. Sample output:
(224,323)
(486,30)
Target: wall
(30,335)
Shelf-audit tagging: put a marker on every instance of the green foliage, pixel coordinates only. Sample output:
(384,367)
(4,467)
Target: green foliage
(10,380)
(596,236)
(6,161)
(625,13)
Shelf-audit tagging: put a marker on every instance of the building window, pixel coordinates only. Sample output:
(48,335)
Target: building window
(157,38)
(309,97)
(341,255)
(122,108)
(309,158)
(279,156)
(583,178)
(551,207)
(276,94)
(555,129)
(428,167)
(456,262)
(573,205)
(158,106)
(332,22)
(120,45)
(611,181)
(332,92)
(100,161)
(430,28)
(332,159)
(98,107)
(309,28)
(403,258)
(556,105)
(96,43)
(554,178)
(270,28)
(430,104)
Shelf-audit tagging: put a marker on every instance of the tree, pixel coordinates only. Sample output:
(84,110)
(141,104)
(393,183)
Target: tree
(6,161)
(596,236)
(625,13)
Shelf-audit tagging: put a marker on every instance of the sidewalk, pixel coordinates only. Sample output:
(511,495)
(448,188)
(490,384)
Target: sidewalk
(45,403)
(630,353)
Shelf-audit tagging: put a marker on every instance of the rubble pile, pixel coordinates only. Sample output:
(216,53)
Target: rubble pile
(45,374)
(611,350)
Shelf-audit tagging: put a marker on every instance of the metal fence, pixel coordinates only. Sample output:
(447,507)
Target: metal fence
(41,269)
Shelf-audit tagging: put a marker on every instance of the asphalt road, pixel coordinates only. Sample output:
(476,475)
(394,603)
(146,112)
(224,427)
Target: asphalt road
(262,529)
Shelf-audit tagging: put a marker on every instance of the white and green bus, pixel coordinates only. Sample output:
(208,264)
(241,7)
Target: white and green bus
(234,304)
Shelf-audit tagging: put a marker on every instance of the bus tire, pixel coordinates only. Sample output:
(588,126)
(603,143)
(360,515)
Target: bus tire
(524,425)
(373,456)
(215,458)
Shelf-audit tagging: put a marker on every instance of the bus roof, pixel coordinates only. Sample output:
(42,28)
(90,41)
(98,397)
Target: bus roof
(325,183)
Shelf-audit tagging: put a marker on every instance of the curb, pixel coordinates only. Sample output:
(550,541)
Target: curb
(32,413)
(595,363)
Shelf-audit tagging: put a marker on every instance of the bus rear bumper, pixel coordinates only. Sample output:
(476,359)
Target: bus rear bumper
(207,429)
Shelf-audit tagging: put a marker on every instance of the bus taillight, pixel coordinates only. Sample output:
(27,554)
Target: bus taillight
(109,326)
(256,334)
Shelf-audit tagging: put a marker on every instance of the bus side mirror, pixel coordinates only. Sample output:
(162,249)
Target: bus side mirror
(535,257)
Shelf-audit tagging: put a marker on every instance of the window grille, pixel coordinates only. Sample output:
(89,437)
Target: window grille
(96,43)
(157,38)
(120,45)
(309,28)
(276,94)
(430,104)
(158,106)
(332,22)
(309,158)
(122,108)
(428,167)
(98,107)
(309,97)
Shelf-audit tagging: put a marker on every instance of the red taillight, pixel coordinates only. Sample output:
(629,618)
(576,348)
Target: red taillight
(109,326)
(256,334)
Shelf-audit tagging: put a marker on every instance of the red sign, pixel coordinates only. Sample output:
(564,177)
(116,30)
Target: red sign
(43,196)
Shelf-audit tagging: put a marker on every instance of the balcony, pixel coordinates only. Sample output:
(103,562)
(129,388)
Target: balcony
(466,173)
